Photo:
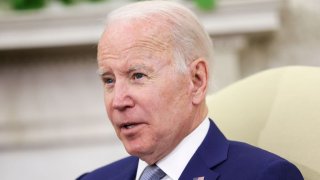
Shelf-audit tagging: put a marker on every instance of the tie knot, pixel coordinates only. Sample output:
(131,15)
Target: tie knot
(152,172)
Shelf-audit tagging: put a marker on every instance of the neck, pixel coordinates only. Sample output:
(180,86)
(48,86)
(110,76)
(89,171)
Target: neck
(199,116)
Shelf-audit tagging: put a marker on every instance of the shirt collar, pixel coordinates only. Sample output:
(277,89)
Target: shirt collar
(181,154)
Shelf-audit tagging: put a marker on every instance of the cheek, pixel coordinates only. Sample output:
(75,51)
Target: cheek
(108,104)
(106,101)
(176,96)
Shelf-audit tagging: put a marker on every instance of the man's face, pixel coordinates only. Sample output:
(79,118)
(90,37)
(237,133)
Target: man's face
(148,102)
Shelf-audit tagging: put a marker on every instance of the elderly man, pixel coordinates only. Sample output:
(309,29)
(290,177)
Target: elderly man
(153,58)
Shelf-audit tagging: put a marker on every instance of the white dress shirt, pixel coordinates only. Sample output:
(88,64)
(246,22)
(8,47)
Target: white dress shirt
(174,163)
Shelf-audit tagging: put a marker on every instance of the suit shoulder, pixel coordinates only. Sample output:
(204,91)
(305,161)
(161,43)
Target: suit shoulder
(244,150)
(113,170)
(121,163)
(247,159)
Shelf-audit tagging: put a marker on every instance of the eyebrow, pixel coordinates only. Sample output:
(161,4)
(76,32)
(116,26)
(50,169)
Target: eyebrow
(102,72)
(138,67)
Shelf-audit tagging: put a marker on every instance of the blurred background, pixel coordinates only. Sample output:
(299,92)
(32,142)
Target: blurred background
(52,119)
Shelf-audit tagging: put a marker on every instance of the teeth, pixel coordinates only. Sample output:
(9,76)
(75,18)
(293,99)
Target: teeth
(129,126)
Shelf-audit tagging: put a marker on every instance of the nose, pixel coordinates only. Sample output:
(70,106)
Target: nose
(122,99)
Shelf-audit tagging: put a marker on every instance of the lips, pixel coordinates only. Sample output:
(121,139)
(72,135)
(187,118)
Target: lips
(131,128)
(129,125)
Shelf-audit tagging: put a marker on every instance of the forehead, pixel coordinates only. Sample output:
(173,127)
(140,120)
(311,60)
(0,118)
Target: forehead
(122,37)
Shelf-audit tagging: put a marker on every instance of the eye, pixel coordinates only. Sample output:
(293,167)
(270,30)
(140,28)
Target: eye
(108,80)
(138,75)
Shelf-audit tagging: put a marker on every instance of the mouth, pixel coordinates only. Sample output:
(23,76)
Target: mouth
(131,128)
(129,125)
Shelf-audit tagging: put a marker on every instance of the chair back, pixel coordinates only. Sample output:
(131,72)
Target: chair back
(277,110)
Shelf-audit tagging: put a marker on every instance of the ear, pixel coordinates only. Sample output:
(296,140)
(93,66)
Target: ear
(199,73)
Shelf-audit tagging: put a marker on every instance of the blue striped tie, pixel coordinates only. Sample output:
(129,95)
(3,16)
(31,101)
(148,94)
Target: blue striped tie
(152,173)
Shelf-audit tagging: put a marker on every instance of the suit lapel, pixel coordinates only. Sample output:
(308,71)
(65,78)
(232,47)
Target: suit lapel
(212,151)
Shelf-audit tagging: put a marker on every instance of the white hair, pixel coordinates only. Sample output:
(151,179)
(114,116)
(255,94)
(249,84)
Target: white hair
(190,40)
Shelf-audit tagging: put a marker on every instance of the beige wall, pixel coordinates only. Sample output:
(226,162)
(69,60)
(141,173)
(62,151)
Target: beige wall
(296,43)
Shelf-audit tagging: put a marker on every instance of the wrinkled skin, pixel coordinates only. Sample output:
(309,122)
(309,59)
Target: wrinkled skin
(151,106)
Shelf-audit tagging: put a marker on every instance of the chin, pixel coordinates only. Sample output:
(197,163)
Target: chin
(134,149)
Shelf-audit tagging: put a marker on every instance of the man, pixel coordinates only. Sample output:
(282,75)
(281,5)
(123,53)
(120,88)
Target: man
(153,58)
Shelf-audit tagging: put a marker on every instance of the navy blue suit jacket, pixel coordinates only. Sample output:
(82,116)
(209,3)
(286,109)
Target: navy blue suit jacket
(216,158)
